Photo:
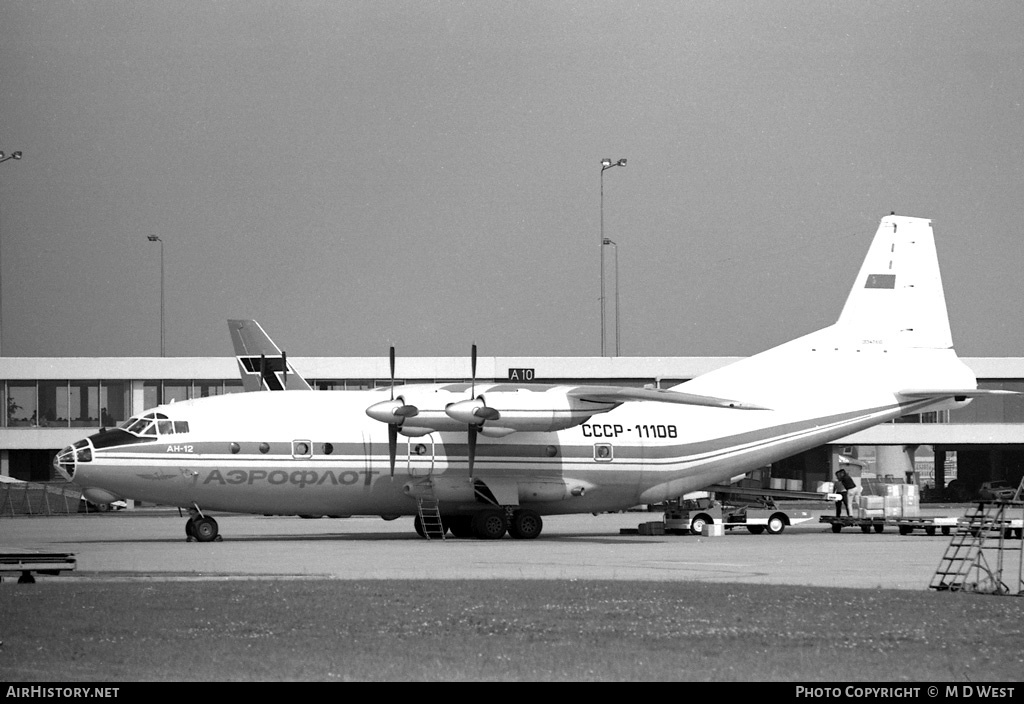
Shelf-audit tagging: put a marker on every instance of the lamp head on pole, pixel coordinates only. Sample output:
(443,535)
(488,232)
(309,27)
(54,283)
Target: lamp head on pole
(608,163)
(153,238)
(14,155)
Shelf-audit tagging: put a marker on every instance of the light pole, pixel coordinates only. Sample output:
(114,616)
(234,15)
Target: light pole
(3,157)
(615,247)
(605,165)
(154,238)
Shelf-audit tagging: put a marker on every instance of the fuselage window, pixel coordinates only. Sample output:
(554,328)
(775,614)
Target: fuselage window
(181,426)
(264,448)
(165,427)
(328,448)
(235,448)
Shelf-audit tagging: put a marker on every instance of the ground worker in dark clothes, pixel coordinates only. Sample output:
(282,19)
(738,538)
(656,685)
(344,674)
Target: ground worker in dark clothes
(844,483)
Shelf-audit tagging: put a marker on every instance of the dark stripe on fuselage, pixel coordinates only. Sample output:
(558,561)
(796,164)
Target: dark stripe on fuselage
(515,453)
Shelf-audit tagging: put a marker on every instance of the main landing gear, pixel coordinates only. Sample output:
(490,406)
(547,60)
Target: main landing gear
(492,524)
(200,528)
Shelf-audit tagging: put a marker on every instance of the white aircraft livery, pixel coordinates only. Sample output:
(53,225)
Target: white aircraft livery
(485,459)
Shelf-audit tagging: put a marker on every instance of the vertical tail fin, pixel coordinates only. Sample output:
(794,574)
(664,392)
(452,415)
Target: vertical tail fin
(261,364)
(897,299)
(892,335)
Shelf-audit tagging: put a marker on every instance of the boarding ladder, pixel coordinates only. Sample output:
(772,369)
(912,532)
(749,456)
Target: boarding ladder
(984,548)
(430,518)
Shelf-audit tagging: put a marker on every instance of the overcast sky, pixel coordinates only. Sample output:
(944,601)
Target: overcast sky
(427,174)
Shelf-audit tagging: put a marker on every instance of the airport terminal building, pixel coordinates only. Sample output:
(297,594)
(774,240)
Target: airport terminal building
(53,402)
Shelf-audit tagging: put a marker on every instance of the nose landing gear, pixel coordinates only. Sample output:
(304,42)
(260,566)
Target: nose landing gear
(200,528)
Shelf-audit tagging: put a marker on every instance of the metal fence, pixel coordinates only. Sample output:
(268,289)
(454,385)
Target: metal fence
(39,499)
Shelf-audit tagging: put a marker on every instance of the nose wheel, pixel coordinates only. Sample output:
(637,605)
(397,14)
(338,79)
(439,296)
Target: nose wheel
(202,529)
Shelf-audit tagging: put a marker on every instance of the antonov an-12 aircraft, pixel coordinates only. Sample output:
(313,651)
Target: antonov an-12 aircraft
(482,460)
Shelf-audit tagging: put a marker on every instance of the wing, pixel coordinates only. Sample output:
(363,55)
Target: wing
(620,394)
(501,409)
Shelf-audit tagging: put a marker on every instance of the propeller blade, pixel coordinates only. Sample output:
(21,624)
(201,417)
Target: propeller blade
(472,428)
(392,445)
(284,367)
(473,388)
(392,377)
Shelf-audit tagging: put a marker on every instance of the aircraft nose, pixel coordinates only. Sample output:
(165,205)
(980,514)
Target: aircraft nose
(66,461)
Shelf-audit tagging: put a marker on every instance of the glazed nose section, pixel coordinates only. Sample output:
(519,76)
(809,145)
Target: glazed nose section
(67,460)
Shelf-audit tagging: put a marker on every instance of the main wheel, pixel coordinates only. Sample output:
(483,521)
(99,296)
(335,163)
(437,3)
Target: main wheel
(460,526)
(776,524)
(836,527)
(526,524)
(490,524)
(865,528)
(204,529)
(417,525)
(879,527)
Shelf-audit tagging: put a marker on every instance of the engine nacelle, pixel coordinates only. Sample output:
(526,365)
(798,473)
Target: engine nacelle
(537,411)
(500,410)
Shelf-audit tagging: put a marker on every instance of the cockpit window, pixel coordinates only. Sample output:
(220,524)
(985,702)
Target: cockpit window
(153,424)
(136,426)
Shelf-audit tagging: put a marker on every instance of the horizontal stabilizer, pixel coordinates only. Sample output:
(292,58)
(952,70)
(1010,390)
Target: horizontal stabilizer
(963,393)
(616,394)
(261,363)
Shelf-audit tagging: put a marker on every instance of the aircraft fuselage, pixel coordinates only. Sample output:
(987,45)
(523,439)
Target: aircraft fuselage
(317,453)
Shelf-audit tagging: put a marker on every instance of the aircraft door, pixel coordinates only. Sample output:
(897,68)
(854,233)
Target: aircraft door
(420,454)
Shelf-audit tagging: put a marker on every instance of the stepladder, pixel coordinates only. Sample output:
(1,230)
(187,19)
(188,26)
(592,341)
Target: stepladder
(986,553)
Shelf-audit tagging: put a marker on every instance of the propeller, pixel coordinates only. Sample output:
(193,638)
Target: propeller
(402,412)
(483,412)
(471,427)
(392,428)
(394,414)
